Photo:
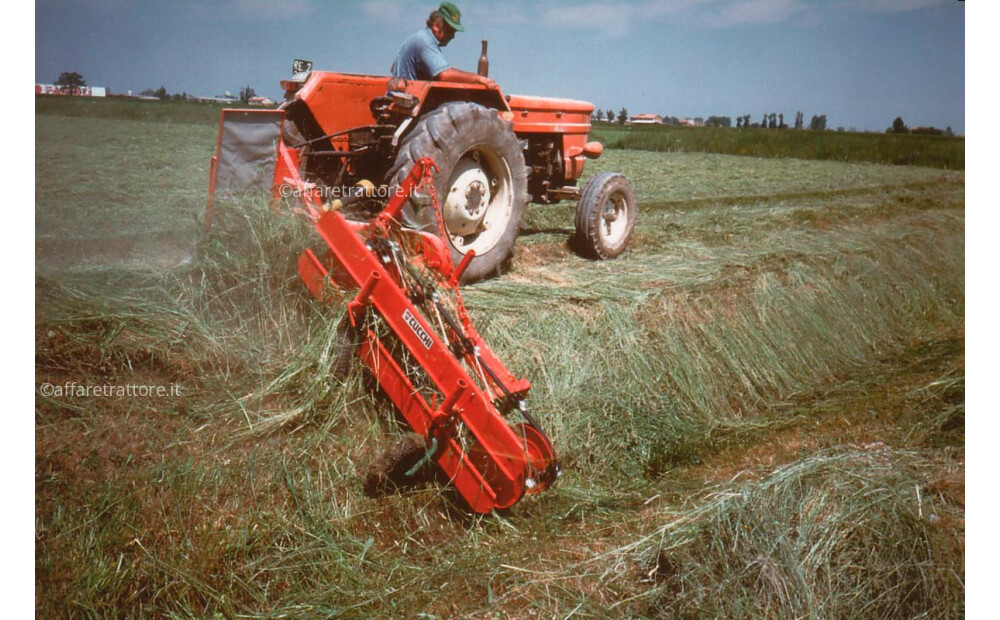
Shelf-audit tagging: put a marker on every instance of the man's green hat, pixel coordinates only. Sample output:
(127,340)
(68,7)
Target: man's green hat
(452,15)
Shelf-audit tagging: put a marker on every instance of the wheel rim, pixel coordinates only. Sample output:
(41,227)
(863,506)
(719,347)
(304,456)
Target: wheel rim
(540,459)
(613,223)
(479,202)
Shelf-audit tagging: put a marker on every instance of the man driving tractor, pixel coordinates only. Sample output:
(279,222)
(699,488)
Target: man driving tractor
(420,56)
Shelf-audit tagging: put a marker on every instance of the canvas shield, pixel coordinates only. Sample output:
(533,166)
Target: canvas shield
(248,144)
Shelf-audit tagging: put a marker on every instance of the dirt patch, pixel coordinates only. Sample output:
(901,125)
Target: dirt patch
(540,254)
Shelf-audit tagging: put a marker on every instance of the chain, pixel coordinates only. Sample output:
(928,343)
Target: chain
(427,182)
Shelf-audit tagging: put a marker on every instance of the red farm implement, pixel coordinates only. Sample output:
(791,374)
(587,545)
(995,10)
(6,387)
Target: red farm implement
(418,341)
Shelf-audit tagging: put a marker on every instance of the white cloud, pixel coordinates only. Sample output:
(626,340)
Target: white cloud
(601,16)
(615,19)
(499,14)
(895,6)
(383,10)
(266,9)
(758,12)
(248,10)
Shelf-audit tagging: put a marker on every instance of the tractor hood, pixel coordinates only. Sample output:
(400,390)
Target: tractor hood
(550,115)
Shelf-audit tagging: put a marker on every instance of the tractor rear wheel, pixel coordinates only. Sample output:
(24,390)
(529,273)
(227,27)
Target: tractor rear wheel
(481,184)
(605,215)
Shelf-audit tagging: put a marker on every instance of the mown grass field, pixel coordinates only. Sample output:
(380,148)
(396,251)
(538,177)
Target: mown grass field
(759,408)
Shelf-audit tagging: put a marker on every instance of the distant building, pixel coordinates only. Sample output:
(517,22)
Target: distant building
(260,101)
(84,91)
(646,119)
(222,99)
(691,122)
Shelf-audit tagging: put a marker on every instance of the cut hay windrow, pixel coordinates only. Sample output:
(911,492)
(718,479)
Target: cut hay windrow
(636,362)
(843,533)
(636,377)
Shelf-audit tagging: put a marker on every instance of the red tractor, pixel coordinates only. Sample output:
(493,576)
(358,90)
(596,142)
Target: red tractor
(494,153)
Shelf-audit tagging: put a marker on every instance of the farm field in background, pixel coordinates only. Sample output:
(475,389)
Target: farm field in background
(759,408)
(880,148)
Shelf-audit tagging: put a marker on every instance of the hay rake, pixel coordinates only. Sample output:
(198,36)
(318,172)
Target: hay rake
(418,341)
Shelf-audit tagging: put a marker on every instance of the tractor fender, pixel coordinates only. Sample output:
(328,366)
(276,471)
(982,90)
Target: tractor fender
(432,95)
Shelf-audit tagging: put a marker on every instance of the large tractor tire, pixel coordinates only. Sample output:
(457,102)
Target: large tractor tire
(482,183)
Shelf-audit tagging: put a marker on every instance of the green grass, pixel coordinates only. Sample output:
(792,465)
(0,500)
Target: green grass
(167,112)
(881,148)
(118,190)
(755,407)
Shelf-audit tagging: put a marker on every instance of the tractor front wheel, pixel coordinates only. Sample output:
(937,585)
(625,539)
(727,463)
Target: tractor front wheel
(605,215)
(481,184)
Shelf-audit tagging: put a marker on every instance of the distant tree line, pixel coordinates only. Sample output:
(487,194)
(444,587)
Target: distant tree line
(161,93)
(770,121)
(898,126)
(610,116)
(246,93)
(773,120)
(777,121)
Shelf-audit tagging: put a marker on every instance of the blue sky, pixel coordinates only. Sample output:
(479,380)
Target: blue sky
(862,63)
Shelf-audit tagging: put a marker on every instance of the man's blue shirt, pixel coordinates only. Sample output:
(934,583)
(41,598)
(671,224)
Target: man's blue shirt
(420,57)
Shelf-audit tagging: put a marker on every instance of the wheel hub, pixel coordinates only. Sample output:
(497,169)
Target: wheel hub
(610,212)
(468,199)
(474,198)
(615,226)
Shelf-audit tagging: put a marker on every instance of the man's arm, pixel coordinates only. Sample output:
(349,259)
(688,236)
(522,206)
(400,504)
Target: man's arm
(452,74)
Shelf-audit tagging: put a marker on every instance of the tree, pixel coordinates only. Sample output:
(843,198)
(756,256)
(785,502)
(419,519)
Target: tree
(611,116)
(70,83)
(798,120)
(161,92)
(600,115)
(622,116)
(246,93)
(898,126)
(818,123)
(719,121)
